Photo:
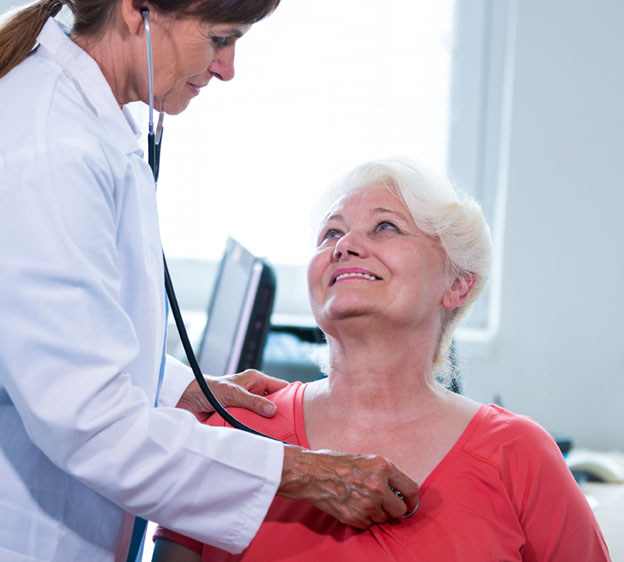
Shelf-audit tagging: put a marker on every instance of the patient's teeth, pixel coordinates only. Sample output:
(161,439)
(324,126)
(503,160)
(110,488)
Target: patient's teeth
(354,274)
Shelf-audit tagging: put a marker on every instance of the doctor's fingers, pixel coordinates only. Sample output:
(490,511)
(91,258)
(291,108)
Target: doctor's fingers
(256,382)
(355,489)
(380,498)
(403,487)
(228,394)
(246,390)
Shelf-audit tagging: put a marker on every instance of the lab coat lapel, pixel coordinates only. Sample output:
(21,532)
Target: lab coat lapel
(90,81)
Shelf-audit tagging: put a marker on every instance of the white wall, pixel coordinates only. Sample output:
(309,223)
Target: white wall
(559,353)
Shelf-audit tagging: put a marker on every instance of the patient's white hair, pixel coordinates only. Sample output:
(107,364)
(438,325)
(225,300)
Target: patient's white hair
(439,210)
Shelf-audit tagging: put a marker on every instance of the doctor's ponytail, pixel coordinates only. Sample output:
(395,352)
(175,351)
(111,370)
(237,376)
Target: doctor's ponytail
(19,29)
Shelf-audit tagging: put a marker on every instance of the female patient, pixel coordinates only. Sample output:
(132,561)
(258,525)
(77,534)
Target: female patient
(400,256)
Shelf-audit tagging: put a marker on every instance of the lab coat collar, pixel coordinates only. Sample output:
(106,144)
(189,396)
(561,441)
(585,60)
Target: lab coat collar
(94,88)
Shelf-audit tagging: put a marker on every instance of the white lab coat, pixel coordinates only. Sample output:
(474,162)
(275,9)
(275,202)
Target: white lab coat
(81,337)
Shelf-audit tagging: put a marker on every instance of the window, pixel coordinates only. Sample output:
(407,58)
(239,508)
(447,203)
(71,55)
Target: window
(479,134)
(320,87)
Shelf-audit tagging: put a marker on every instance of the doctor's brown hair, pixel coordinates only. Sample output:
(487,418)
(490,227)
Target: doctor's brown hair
(20,28)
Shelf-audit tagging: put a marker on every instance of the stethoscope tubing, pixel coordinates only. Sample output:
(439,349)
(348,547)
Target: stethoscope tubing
(190,355)
(154,145)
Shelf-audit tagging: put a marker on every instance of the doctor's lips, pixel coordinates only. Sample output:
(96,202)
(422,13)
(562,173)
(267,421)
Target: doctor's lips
(196,87)
(352,273)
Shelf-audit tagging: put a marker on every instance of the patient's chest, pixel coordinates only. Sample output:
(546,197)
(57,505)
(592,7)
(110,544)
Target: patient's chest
(417,448)
(463,517)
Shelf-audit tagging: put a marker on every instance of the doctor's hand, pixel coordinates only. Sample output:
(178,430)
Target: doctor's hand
(355,489)
(242,390)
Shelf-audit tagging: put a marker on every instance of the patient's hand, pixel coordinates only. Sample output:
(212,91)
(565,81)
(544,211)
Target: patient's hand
(355,489)
(243,390)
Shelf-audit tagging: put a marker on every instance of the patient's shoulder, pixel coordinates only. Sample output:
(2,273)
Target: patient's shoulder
(506,440)
(501,424)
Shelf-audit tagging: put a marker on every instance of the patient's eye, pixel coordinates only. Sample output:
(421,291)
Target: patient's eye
(330,234)
(387,226)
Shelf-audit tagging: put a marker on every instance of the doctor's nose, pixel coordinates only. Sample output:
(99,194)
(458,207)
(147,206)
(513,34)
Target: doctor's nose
(350,244)
(222,66)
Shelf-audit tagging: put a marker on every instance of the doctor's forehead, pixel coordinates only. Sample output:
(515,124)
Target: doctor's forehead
(234,30)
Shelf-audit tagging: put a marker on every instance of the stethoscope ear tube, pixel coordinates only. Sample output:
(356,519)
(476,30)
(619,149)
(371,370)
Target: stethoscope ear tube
(154,144)
(153,138)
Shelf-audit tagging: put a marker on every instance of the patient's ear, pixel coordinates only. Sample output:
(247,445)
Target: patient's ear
(460,290)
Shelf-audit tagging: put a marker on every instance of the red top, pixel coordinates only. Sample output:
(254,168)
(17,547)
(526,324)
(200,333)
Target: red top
(502,493)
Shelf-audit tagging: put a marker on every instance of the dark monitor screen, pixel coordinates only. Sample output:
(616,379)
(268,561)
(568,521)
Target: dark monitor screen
(239,313)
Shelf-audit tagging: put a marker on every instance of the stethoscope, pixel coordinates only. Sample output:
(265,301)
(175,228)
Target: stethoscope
(154,139)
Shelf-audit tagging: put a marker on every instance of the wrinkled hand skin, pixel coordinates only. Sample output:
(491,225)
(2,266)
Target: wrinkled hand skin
(355,489)
(243,390)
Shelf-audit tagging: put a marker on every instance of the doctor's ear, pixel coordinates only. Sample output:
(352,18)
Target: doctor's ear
(460,290)
(132,14)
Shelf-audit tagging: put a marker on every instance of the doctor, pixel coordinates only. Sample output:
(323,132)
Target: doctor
(82,305)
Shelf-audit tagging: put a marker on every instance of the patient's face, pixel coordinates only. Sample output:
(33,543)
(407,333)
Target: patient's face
(373,262)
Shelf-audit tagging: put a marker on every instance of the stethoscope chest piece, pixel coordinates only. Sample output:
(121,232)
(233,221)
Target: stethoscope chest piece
(401,497)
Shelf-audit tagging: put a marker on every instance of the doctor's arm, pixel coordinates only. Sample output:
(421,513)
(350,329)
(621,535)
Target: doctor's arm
(81,378)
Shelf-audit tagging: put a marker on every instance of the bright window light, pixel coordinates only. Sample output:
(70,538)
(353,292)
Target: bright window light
(320,86)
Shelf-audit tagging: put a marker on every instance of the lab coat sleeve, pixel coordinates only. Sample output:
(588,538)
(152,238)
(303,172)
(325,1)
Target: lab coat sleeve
(177,377)
(66,348)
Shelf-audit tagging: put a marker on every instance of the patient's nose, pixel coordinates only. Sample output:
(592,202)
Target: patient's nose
(350,244)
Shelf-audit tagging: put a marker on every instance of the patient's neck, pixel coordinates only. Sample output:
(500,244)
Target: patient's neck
(388,370)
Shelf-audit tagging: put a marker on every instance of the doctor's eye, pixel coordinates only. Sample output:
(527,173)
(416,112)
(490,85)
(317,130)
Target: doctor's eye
(221,42)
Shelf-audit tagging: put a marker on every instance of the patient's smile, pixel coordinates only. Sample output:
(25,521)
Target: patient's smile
(363,275)
(343,274)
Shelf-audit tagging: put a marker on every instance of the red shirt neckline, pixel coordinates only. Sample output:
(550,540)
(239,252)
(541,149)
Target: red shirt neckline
(437,471)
